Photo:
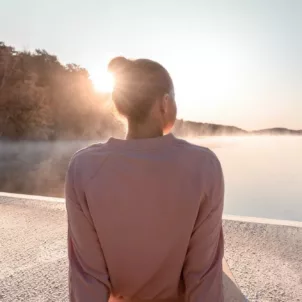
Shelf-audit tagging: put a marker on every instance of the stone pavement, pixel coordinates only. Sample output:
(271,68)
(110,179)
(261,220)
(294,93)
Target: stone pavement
(266,259)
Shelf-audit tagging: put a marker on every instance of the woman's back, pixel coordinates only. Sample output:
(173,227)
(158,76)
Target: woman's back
(145,221)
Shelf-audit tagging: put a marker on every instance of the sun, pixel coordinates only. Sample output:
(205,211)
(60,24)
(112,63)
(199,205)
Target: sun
(103,81)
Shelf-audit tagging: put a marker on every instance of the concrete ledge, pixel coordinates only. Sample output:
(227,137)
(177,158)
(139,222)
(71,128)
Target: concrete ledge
(31,197)
(270,221)
(263,256)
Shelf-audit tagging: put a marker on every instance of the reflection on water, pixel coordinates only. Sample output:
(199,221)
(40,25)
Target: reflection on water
(263,175)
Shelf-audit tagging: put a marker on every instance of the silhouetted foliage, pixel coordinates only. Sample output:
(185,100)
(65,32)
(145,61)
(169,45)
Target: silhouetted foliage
(41,99)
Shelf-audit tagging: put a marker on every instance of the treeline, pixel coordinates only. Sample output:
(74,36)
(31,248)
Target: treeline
(189,129)
(42,99)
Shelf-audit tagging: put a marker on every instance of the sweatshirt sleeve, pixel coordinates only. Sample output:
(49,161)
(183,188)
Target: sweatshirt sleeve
(203,265)
(88,276)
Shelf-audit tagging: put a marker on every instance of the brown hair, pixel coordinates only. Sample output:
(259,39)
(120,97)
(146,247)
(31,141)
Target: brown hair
(138,83)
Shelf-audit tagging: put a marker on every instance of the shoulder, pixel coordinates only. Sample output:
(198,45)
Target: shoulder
(86,162)
(203,164)
(201,160)
(198,152)
(86,153)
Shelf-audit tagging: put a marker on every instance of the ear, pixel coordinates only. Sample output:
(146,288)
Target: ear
(165,103)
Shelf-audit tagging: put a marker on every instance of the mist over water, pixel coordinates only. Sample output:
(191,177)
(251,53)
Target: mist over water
(36,168)
(263,174)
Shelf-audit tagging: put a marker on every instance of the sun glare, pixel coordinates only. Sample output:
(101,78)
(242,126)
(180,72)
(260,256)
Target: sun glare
(103,82)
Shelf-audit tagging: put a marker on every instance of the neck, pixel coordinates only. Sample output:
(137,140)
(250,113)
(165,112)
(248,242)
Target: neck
(148,129)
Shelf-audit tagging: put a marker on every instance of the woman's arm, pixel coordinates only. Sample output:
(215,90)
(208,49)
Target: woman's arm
(203,265)
(88,277)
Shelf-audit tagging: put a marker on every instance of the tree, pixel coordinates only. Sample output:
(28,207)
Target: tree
(42,99)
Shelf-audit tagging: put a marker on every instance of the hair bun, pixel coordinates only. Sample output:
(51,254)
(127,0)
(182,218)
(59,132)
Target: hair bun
(119,64)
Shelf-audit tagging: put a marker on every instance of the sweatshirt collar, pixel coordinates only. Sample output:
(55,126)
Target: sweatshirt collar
(144,143)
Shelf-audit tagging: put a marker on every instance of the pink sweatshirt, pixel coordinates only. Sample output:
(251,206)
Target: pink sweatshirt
(145,222)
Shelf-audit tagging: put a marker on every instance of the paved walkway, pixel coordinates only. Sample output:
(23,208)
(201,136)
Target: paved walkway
(266,260)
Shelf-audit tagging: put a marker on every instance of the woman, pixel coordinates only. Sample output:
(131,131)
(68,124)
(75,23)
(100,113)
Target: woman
(145,213)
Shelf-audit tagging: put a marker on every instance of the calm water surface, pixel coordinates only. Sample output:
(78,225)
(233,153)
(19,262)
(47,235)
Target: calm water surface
(263,175)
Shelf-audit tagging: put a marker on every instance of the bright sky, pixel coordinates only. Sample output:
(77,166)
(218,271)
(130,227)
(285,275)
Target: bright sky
(235,62)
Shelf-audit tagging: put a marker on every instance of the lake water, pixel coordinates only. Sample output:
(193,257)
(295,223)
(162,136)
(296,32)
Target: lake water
(263,175)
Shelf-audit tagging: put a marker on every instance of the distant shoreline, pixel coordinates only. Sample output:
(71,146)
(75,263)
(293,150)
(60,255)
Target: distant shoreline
(100,140)
(188,128)
(184,129)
